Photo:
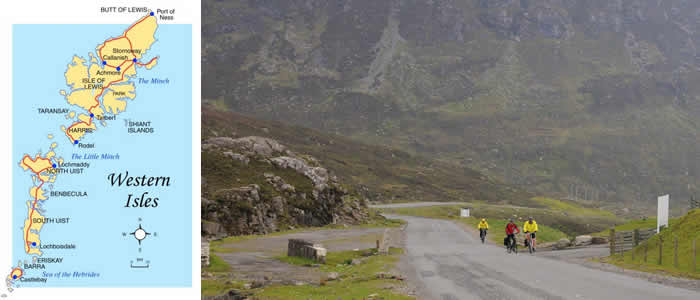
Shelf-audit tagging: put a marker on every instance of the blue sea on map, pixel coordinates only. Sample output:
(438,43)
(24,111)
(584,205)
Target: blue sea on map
(41,54)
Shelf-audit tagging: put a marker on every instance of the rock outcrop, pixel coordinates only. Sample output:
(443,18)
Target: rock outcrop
(255,185)
(583,240)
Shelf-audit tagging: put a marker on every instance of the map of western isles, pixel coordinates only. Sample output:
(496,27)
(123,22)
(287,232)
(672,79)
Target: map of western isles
(102,155)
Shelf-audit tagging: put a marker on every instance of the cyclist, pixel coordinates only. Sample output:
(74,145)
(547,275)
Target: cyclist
(483,228)
(511,230)
(530,228)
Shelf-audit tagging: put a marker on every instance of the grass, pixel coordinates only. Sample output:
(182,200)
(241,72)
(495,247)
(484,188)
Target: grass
(217,265)
(213,287)
(632,225)
(685,229)
(571,208)
(356,281)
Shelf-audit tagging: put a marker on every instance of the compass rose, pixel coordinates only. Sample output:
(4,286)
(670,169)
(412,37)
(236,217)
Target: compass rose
(140,234)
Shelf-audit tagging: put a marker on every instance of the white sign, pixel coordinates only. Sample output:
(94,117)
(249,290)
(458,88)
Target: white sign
(464,213)
(662,215)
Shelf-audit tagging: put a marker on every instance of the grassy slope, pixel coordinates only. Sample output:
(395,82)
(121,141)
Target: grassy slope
(556,220)
(389,174)
(686,229)
(632,225)
(358,281)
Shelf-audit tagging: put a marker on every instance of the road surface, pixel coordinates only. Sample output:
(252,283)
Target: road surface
(416,204)
(444,262)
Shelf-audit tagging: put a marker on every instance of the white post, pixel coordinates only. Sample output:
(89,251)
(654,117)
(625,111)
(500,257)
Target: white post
(662,214)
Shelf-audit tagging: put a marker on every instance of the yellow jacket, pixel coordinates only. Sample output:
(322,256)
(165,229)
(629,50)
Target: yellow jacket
(483,225)
(530,227)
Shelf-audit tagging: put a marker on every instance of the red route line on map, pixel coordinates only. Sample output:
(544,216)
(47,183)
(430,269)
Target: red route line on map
(36,196)
(115,81)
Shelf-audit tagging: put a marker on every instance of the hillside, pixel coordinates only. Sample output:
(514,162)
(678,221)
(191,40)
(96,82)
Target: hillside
(686,229)
(375,172)
(589,100)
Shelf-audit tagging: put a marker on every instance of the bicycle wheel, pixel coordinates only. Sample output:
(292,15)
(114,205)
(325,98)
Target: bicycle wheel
(529,244)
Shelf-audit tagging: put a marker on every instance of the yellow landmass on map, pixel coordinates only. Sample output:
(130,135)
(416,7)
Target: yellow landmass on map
(142,35)
(78,130)
(152,64)
(116,62)
(111,99)
(82,98)
(37,165)
(106,75)
(50,136)
(131,70)
(76,71)
(84,118)
(32,225)
(37,193)
(98,112)
(116,51)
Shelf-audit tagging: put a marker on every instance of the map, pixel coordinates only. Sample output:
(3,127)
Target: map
(102,155)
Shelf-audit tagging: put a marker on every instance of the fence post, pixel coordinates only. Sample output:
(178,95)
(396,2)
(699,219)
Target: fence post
(661,247)
(636,237)
(612,241)
(675,252)
(695,255)
(646,247)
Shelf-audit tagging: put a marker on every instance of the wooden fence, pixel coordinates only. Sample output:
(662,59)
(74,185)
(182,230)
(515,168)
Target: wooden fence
(622,241)
(694,203)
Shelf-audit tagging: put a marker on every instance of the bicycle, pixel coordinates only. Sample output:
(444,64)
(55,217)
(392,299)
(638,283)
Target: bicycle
(528,239)
(513,247)
(482,235)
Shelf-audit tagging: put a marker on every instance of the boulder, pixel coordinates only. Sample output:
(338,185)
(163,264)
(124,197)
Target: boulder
(252,144)
(212,229)
(597,240)
(318,175)
(583,240)
(332,276)
(237,156)
(562,243)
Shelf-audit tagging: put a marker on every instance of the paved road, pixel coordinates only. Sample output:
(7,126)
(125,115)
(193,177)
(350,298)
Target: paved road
(446,263)
(415,204)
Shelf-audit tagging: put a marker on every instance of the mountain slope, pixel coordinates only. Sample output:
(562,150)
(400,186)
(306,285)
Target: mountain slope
(376,172)
(591,100)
